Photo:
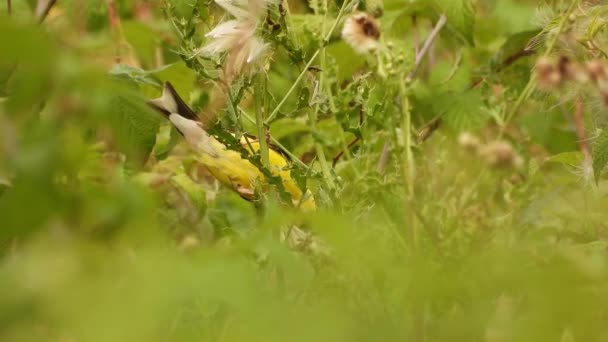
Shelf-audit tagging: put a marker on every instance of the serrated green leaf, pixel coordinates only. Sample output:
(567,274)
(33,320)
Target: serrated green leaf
(461,17)
(134,74)
(462,111)
(516,46)
(599,154)
(134,125)
(170,138)
(178,74)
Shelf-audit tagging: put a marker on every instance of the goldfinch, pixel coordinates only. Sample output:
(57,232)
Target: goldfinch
(228,166)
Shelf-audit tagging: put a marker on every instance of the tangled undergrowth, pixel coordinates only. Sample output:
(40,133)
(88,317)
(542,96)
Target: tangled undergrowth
(454,148)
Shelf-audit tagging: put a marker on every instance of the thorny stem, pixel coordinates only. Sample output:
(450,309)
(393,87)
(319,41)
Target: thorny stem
(293,87)
(312,118)
(291,32)
(259,93)
(276,142)
(419,57)
(313,115)
(525,94)
(275,112)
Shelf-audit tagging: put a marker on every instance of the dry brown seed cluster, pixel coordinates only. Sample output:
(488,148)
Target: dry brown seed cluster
(362,32)
(552,74)
(498,154)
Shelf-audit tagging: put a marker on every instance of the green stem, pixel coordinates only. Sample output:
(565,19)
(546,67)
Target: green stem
(329,179)
(525,94)
(325,168)
(409,172)
(407,166)
(325,41)
(276,142)
(259,92)
(288,21)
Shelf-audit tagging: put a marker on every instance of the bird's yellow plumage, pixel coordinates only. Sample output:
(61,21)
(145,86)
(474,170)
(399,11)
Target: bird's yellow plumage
(224,164)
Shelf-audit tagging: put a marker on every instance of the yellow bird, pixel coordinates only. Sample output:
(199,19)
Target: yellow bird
(224,164)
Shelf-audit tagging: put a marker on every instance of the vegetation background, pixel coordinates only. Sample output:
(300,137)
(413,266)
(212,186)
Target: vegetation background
(459,187)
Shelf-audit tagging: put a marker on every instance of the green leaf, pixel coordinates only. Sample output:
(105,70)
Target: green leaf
(143,38)
(194,191)
(462,111)
(137,75)
(573,159)
(182,77)
(461,17)
(178,74)
(599,154)
(134,125)
(515,47)
(3,188)
(286,127)
(170,137)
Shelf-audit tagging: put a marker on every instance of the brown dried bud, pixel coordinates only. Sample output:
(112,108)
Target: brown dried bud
(361,31)
(571,71)
(468,141)
(597,71)
(547,74)
(500,154)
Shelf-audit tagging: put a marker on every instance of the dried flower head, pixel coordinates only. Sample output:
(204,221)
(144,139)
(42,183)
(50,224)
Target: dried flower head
(468,141)
(361,31)
(246,9)
(551,74)
(547,73)
(237,37)
(239,41)
(597,70)
(571,71)
(500,154)
(598,73)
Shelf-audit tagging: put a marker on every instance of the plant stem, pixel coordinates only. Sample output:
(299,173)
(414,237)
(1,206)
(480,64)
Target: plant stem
(293,87)
(406,130)
(312,118)
(259,93)
(427,44)
(276,142)
(579,124)
(325,41)
(407,165)
(525,94)
(288,21)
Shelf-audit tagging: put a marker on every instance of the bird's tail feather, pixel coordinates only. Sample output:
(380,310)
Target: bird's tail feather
(171,103)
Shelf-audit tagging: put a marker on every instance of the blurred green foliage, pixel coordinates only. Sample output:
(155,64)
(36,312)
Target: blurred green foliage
(111,231)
